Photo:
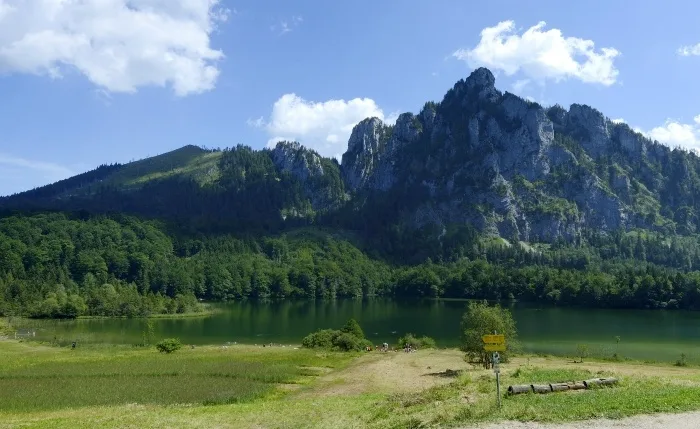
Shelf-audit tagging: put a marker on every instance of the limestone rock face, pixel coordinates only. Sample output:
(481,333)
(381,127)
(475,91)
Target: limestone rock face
(499,162)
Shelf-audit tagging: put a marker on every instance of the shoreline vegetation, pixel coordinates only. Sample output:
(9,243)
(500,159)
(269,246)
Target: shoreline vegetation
(244,386)
(203,310)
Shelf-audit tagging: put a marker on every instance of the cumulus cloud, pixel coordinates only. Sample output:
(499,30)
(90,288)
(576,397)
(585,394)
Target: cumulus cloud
(119,45)
(689,50)
(540,55)
(675,133)
(618,121)
(323,126)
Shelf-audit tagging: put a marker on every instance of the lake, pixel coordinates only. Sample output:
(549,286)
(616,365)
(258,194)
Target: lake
(644,334)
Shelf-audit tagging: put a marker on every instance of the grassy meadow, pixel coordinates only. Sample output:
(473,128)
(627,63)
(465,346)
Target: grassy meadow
(44,386)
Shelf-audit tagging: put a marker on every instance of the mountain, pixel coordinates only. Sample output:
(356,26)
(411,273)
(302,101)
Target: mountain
(483,195)
(513,168)
(480,159)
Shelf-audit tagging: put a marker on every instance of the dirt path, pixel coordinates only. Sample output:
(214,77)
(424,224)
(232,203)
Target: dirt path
(656,421)
(391,372)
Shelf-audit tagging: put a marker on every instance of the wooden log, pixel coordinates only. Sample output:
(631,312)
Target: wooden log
(519,388)
(558,387)
(577,385)
(593,382)
(608,381)
(541,388)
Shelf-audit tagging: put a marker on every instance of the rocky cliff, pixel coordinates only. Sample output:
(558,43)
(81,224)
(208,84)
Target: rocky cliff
(509,166)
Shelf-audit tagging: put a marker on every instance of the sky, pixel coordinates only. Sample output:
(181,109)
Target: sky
(89,82)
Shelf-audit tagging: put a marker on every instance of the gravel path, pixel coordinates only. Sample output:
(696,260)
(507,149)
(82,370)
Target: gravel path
(655,421)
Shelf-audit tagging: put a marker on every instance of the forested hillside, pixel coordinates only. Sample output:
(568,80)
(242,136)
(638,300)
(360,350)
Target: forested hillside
(53,265)
(482,195)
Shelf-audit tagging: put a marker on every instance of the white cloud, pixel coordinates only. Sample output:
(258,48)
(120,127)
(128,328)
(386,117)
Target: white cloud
(323,126)
(675,133)
(286,26)
(119,45)
(618,121)
(519,85)
(541,55)
(689,50)
(20,173)
(256,123)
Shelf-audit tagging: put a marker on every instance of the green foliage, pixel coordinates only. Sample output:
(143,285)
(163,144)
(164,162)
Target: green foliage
(423,342)
(322,339)
(353,328)
(345,342)
(349,338)
(582,351)
(682,361)
(169,345)
(481,319)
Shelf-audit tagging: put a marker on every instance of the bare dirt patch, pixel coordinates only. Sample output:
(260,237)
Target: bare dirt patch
(392,372)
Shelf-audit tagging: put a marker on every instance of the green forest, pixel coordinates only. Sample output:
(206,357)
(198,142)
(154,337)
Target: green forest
(62,266)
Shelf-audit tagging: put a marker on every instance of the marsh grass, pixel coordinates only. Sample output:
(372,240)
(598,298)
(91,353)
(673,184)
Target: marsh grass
(56,378)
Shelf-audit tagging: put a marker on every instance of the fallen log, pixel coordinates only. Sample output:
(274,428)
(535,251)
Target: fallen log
(577,385)
(608,381)
(519,388)
(558,387)
(599,382)
(541,388)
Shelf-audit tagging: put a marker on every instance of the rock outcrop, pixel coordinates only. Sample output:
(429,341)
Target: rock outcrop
(501,163)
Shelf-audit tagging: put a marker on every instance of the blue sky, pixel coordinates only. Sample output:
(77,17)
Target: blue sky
(102,82)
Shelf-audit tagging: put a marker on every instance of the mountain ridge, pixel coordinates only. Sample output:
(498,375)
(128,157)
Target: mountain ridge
(480,157)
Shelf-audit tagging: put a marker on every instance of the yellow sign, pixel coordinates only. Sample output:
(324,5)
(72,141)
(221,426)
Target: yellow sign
(494,347)
(494,339)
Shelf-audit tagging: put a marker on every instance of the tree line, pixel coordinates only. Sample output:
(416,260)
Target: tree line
(56,265)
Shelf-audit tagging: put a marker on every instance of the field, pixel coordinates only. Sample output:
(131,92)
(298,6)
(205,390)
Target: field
(275,387)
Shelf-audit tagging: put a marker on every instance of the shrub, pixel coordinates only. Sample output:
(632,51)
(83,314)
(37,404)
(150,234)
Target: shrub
(169,345)
(682,361)
(417,342)
(349,343)
(320,339)
(349,338)
(353,328)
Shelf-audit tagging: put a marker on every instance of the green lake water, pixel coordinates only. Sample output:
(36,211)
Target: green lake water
(644,334)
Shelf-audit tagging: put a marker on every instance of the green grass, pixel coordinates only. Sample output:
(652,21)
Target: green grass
(473,399)
(116,386)
(50,378)
(190,161)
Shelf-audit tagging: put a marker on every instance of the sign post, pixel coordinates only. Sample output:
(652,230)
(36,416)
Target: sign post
(495,343)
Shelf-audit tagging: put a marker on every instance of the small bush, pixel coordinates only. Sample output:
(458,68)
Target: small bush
(320,339)
(349,343)
(353,328)
(349,338)
(682,361)
(169,345)
(417,342)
